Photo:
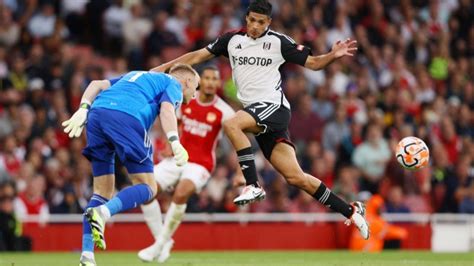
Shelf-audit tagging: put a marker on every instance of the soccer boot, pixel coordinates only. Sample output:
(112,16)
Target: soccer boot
(250,194)
(84,261)
(166,251)
(97,226)
(358,219)
(152,252)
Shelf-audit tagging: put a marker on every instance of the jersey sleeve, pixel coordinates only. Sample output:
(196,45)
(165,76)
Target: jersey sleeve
(227,111)
(172,94)
(293,52)
(219,46)
(114,80)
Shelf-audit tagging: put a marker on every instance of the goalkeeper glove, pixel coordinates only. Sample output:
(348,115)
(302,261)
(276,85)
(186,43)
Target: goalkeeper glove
(75,124)
(180,154)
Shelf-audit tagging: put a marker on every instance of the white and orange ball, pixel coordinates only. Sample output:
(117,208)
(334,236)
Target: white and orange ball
(412,153)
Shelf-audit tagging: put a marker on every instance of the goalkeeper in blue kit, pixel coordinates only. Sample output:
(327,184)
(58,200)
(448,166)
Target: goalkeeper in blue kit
(119,112)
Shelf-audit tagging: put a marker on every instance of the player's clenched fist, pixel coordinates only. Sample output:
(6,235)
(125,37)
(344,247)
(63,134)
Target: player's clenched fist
(180,154)
(75,124)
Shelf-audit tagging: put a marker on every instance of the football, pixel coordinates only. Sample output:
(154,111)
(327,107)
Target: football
(412,153)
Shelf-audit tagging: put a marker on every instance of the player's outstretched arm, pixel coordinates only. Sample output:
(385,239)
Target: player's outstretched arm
(94,88)
(74,126)
(170,127)
(190,58)
(339,49)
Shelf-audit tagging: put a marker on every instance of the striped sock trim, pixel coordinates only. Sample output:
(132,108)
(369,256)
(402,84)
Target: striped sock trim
(150,193)
(248,157)
(325,196)
(99,199)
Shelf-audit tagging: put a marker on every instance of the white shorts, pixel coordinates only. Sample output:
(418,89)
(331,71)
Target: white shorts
(167,174)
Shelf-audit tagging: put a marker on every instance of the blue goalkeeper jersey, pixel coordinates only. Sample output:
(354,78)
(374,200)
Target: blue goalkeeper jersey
(140,94)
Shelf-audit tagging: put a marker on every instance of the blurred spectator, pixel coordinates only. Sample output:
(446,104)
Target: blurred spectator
(448,138)
(322,103)
(11,238)
(305,125)
(42,24)
(73,12)
(223,22)
(394,202)
(115,17)
(160,37)
(335,130)
(372,157)
(178,21)
(322,168)
(9,29)
(32,201)
(135,30)
(217,184)
(443,181)
(346,184)
(465,191)
(18,79)
(341,29)
(10,156)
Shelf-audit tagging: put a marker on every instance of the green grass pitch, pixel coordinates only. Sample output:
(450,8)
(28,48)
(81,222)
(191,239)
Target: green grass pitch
(329,258)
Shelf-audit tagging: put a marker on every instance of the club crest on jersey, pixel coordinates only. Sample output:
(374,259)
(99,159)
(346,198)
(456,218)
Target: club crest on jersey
(266,46)
(211,117)
(187,111)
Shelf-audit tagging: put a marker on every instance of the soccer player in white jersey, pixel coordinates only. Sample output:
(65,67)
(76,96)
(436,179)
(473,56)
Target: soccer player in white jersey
(201,125)
(256,54)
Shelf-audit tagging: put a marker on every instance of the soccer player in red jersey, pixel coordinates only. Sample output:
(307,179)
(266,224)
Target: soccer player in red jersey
(201,127)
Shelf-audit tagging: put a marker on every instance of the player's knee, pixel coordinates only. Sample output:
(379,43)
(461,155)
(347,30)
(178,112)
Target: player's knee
(180,197)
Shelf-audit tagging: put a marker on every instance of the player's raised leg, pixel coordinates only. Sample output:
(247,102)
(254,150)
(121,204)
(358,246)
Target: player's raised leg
(143,190)
(235,129)
(283,158)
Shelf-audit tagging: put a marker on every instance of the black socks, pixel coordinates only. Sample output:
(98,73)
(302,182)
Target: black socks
(247,164)
(331,200)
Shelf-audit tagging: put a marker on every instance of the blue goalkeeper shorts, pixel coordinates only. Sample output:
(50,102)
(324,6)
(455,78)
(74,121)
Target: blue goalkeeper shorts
(111,132)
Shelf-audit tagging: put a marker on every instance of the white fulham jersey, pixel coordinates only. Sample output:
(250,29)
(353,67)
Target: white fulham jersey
(255,63)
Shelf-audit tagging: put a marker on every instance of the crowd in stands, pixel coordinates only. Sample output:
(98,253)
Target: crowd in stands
(412,76)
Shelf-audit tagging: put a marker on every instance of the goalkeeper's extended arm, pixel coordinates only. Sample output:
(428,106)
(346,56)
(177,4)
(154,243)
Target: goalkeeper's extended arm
(75,124)
(170,127)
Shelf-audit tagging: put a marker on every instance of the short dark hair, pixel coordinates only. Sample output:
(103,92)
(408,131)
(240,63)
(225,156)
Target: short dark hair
(208,67)
(260,7)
